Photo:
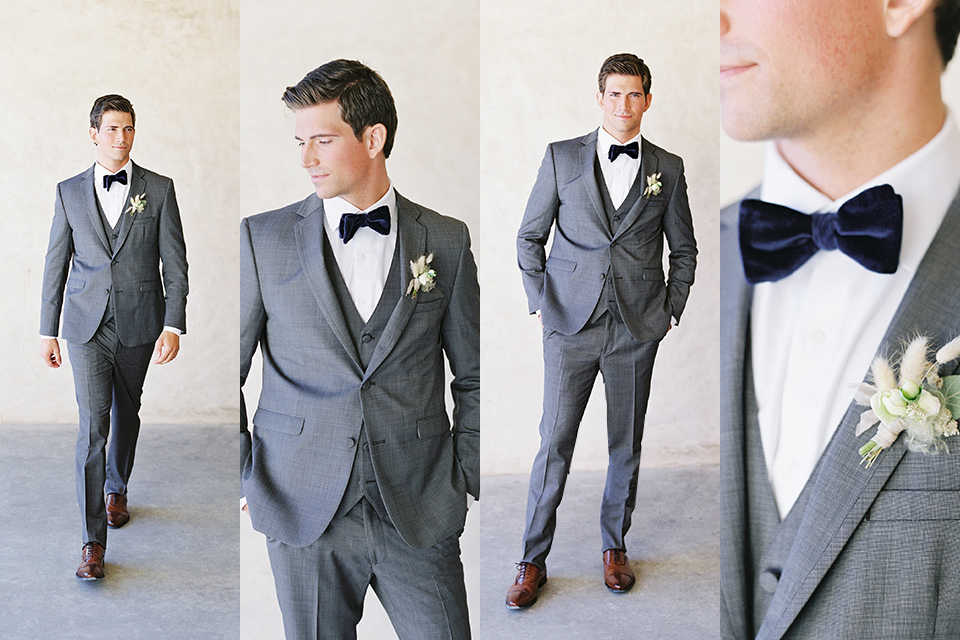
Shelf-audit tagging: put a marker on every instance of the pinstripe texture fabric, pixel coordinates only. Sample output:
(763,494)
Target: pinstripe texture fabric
(316,395)
(877,551)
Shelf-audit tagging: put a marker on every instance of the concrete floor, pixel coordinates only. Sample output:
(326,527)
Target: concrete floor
(172,572)
(673,546)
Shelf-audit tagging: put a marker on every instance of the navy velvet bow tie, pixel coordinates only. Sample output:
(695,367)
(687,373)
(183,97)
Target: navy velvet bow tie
(120,176)
(632,150)
(378,220)
(775,241)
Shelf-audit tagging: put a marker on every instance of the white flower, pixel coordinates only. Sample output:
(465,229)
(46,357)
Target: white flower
(653,185)
(137,203)
(423,276)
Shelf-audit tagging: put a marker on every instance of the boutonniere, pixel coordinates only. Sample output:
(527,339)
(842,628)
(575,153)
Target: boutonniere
(919,401)
(424,277)
(137,203)
(653,185)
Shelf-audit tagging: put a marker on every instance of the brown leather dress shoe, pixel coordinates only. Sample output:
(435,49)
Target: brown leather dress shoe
(523,592)
(117,514)
(617,574)
(92,566)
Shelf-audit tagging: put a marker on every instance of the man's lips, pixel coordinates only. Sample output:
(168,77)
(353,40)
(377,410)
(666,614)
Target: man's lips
(735,69)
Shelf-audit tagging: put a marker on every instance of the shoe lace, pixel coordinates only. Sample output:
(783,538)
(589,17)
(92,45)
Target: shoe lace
(616,556)
(522,569)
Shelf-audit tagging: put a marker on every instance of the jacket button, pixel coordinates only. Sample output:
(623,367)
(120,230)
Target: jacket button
(366,385)
(350,443)
(115,262)
(769,580)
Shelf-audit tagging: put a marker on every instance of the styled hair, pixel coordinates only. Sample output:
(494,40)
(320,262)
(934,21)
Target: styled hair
(947,15)
(363,97)
(624,64)
(112,102)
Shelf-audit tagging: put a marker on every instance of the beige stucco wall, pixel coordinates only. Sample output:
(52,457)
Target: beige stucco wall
(176,62)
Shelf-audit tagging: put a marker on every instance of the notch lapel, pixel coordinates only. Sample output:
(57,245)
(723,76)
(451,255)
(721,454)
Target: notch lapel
(648,166)
(412,240)
(844,489)
(138,185)
(588,154)
(309,232)
(89,198)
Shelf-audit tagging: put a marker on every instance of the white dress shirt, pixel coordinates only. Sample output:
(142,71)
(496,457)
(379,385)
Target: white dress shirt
(815,332)
(114,201)
(620,174)
(364,261)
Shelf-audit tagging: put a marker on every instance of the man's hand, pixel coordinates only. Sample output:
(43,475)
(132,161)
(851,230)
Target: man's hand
(50,352)
(540,318)
(168,345)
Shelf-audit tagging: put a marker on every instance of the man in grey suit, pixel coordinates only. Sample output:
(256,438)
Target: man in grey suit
(815,544)
(113,226)
(355,295)
(611,198)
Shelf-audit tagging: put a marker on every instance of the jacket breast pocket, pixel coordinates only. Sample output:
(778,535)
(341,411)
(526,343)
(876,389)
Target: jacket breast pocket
(275,421)
(915,506)
(425,305)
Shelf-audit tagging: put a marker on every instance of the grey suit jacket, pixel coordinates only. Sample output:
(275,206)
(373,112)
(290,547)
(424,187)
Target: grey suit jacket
(316,395)
(567,285)
(878,552)
(146,298)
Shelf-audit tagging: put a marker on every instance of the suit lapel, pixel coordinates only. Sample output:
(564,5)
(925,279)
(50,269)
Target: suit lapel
(138,185)
(588,154)
(309,232)
(89,198)
(843,489)
(648,166)
(735,298)
(412,240)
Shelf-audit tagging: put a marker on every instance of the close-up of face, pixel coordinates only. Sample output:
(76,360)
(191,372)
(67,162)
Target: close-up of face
(623,102)
(338,163)
(114,139)
(789,69)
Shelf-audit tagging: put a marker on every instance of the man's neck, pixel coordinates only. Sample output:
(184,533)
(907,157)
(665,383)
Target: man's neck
(370,192)
(836,160)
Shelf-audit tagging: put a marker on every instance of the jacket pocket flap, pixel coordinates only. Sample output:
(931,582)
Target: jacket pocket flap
(75,284)
(561,264)
(653,274)
(281,422)
(915,505)
(150,285)
(433,426)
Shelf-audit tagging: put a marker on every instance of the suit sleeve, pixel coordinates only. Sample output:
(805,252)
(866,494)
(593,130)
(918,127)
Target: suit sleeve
(538,219)
(460,335)
(173,255)
(253,320)
(678,228)
(55,269)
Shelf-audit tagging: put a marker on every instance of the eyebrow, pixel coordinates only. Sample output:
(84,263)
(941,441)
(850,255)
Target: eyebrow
(318,135)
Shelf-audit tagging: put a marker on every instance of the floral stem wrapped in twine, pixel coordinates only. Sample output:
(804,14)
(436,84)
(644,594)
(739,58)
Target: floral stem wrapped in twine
(919,401)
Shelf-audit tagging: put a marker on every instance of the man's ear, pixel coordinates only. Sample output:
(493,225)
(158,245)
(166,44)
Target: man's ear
(93,134)
(900,15)
(375,137)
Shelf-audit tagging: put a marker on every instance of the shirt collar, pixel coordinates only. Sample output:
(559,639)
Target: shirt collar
(927,180)
(99,171)
(334,208)
(605,140)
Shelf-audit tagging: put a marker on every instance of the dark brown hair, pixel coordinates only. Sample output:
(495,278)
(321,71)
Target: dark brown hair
(947,16)
(364,98)
(112,102)
(624,64)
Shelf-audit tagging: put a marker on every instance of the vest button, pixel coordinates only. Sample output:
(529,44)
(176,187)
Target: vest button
(366,337)
(769,580)
(366,447)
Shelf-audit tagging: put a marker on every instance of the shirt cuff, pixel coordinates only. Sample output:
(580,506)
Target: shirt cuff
(173,330)
(43,337)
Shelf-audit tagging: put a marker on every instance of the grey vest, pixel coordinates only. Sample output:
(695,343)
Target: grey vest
(113,234)
(365,336)
(615,215)
(770,539)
